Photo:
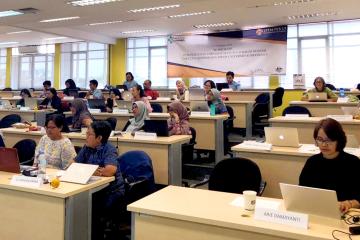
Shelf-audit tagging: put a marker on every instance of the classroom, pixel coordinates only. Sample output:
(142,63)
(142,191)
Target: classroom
(178,119)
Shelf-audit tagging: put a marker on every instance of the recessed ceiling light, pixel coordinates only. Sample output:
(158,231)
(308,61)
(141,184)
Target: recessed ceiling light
(10,13)
(54,38)
(159,8)
(8,43)
(292,2)
(138,31)
(59,19)
(83,3)
(190,14)
(104,23)
(211,25)
(18,32)
(311,15)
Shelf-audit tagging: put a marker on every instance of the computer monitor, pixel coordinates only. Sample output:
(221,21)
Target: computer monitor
(160,127)
(220,86)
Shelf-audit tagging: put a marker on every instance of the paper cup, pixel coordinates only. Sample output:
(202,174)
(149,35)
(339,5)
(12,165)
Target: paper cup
(249,200)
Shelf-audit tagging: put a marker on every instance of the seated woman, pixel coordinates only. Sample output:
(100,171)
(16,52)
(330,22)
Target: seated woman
(320,86)
(114,94)
(140,114)
(139,95)
(178,124)
(333,168)
(214,98)
(80,113)
(70,85)
(24,93)
(52,100)
(182,92)
(58,150)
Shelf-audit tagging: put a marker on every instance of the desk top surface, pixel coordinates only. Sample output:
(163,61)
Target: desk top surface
(282,119)
(63,191)
(323,103)
(214,208)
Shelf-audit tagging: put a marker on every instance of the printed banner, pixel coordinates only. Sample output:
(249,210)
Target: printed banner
(246,53)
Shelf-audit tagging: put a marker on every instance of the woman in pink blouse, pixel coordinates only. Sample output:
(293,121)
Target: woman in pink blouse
(178,123)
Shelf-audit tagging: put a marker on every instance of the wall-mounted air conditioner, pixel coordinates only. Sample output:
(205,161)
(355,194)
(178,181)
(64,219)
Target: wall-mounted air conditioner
(31,49)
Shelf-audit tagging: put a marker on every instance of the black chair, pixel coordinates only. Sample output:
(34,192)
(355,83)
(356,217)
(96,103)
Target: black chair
(188,148)
(358,86)
(330,86)
(2,144)
(260,113)
(113,122)
(82,94)
(231,118)
(235,175)
(296,110)
(26,151)
(9,120)
(278,97)
(7,89)
(157,108)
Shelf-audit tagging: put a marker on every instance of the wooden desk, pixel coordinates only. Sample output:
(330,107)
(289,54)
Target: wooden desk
(322,109)
(165,152)
(46,213)
(209,129)
(280,165)
(193,214)
(31,115)
(13,100)
(306,126)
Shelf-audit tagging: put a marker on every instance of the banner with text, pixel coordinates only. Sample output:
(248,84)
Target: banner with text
(246,53)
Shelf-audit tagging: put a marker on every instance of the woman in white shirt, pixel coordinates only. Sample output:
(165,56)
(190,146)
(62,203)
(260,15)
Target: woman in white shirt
(58,150)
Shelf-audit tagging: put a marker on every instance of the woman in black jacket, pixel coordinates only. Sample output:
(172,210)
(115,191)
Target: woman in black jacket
(52,100)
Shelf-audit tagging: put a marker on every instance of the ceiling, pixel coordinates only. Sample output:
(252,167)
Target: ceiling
(244,13)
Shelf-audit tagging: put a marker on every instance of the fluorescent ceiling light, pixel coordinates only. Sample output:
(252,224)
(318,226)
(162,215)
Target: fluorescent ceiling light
(7,43)
(159,8)
(211,25)
(53,38)
(59,19)
(137,31)
(10,13)
(312,15)
(292,2)
(190,14)
(83,3)
(104,23)
(18,32)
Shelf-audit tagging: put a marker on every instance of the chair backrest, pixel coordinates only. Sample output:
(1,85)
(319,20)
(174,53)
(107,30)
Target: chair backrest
(193,136)
(230,120)
(7,89)
(278,96)
(260,110)
(157,108)
(296,110)
(263,98)
(330,86)
(9,120)
(358,86)
(2,144)
(26,151)
(82,94)
(235,175)
(113,122)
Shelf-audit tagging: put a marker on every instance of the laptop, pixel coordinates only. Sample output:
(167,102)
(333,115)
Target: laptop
(32,103)
(220,86)
(282,137)
(121,104)
(160,127)
(196,94)
(123,87)
(199,106)
(79,173)
(6,104)
(9,160)
(97,104)
(308,200)
(317,97)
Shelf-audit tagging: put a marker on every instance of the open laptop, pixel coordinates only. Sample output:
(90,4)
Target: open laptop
(313,201)
(97,104)
(160,127)
(282,137)
(9,160)
(32,103)
(196,94)
(220,86)
(79,173)
(6,104)
(199,106)
(121,104)
(317,97)
(123,87)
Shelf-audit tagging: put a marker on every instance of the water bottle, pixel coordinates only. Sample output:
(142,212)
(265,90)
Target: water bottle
(42,165)
(212,110)
(342,92)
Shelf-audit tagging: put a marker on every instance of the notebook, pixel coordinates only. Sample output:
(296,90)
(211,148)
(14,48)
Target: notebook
(79,173)
(9,160)
(282,137)
(317,97)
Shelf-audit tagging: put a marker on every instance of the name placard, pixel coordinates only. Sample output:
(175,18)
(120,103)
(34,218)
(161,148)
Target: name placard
(297,116)
(94,110)
(343,99)
(68,98)
(341,117)
(145,136)
(24,181)
(24,108)
(207,114)
(120,111)
(298,220)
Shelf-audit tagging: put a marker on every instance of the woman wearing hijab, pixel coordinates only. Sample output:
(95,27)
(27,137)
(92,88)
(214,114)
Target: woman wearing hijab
(178,124)
(214,97)
(182,92)
(81,114)
(140,114)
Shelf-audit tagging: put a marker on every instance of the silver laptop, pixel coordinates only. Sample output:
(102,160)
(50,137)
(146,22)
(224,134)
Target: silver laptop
(282,137)
(32,103)
(121,104)
(317,97)
(314,201)
(196,94)
(199,106)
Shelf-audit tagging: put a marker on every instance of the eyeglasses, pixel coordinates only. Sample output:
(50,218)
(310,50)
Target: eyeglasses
(326,142)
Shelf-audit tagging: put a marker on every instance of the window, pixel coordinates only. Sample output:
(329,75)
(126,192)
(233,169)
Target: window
(147,59)
(83,61)
(3,54)
(30,71)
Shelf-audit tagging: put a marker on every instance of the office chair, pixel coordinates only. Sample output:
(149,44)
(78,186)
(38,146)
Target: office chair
(82,94)
(2,144)
(235,175)
(296,110)
(278,97)
(26,151)
(113,122)
(188,148)
(9,120)
(157,108)
(330,86)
